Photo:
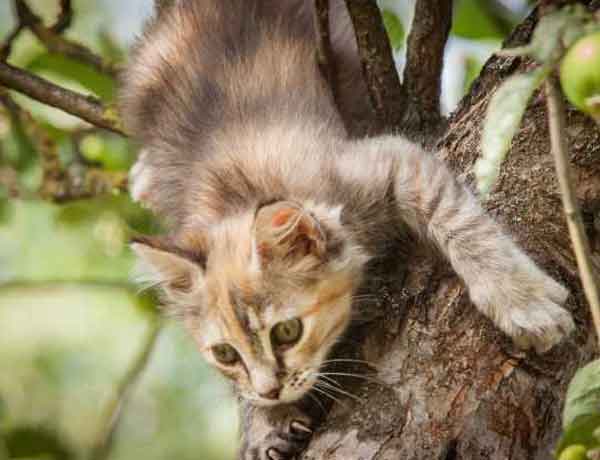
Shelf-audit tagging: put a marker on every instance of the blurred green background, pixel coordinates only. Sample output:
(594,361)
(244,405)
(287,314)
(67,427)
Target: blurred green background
(71,324)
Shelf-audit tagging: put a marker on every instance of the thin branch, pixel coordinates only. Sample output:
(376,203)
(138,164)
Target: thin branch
(65,17)
(581,245)
(114,409)
(6,47)
(424,62)
(386,93)
(58,44)
(87,108)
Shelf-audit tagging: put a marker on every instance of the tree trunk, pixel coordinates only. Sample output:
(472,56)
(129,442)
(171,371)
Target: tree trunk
(449,385)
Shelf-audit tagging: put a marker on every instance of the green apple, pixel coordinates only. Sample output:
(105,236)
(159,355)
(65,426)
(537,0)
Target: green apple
(580,74)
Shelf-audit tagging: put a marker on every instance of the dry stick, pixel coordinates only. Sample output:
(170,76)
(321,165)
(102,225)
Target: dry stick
(87,108)
(581,245)
(113,410)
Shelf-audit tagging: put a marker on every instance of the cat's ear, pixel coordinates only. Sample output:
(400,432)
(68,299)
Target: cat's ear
(162,263)
(284,231)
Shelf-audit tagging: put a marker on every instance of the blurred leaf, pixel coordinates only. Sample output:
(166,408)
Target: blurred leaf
(581,415)
(59,65)
(113,152)
(580,432)
(502,121)
(553,33)
(583,395)
(81,212)
(148,301)
(28,442)
(472,69)
(110,49)
(472,20)
(18,148)
(394,28)
(5,206)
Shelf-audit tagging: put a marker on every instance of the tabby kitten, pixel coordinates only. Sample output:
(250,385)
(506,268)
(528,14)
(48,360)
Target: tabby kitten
(275,212)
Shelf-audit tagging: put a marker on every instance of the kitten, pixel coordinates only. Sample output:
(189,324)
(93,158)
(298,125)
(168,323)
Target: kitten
(275,212)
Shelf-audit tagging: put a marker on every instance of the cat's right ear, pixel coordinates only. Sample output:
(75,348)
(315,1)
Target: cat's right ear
(161,263)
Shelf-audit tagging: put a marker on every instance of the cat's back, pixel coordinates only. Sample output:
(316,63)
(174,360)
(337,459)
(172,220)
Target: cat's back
(200,63)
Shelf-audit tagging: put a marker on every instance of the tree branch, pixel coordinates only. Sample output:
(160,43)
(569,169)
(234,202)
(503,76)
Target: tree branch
(424,62)
(386,93)
(114,409)
(581,245)
(55,42)
(87,108)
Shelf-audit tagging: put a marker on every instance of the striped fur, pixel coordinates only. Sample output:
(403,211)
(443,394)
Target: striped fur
(274,212)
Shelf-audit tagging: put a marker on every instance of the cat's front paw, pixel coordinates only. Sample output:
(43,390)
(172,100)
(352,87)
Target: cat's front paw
(280,433)
(528,309)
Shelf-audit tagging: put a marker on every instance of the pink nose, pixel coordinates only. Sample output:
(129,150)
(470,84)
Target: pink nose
(273,394)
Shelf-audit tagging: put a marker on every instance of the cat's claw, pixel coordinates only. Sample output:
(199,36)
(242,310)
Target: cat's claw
(276,435)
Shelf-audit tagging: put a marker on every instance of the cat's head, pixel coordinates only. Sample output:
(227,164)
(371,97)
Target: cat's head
(265,294)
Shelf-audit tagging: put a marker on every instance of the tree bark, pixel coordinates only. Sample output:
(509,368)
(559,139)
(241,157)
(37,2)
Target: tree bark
(448,384)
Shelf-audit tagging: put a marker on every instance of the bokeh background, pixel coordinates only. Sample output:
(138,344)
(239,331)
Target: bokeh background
(72,327)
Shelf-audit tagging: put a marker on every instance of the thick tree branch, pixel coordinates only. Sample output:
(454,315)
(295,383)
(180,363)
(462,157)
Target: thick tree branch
(386,93)
(87,108)
(424,63)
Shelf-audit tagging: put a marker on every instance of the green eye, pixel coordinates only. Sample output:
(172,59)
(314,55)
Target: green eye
(225,354)
(287,332)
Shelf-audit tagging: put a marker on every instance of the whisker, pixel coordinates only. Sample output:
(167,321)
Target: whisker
(330,379)
(323,392)
(349,360)
(358,376)
(340,391)
(319,403)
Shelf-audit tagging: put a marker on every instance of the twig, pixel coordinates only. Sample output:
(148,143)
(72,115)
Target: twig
(114,409)
(87,108)
(55,42)
(424,63)
(385,91)
(59,184)
(6,47)
(65,17)
(581,245)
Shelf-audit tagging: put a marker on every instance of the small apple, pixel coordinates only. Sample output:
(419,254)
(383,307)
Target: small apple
(580,74)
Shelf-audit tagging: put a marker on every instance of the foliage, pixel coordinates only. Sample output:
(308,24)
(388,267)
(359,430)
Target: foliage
(581,416)
(554,33)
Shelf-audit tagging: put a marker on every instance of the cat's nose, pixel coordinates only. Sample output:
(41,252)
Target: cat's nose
(273,394)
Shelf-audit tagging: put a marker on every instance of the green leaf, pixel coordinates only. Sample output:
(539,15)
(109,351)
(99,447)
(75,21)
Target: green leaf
(583,395)
(473,21)
(554,32)
(581,415)
(29,442)
(580,432)
(61,66)
(395,29)
(502,121)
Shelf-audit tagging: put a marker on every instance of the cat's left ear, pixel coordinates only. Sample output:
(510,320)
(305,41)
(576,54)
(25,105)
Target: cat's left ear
(164,264)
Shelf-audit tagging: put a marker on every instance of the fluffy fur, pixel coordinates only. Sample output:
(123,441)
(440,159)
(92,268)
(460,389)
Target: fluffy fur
(274,212)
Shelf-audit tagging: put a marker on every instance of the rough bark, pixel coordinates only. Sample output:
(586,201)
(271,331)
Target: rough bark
(450,386)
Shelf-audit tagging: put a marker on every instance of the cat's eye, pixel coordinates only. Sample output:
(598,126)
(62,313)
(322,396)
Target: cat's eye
(286,332)
(225,354)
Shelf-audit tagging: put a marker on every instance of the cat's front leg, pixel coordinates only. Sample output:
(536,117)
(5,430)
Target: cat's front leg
(275,433)
(504,283)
